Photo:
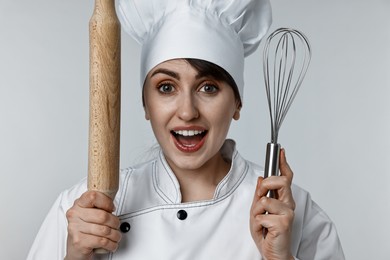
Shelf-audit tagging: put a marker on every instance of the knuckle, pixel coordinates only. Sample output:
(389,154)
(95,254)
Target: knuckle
(293,205)
(104,242)
(85,251)
(70,213)
(117,236)
(264,201)
(104,230)
(285,180)
(258,219)
(76,241)
(71,229)
(252,212)
(117,222)
(115,247)
(101,216)
(290,215)
(91,195)
(285,225)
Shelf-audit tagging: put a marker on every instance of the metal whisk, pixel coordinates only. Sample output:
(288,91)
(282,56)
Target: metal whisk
(287,55)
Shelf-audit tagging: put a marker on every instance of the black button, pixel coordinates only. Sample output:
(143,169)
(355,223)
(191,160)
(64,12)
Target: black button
(125,227)
(182,214)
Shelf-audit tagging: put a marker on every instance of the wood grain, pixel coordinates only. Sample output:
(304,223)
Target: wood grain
(104,108)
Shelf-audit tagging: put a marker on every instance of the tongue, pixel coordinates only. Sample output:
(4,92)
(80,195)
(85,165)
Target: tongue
(189,140)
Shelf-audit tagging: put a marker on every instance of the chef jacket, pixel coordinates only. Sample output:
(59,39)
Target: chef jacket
(156,225)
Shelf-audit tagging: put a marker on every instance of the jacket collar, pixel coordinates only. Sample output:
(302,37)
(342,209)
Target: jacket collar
(168,187)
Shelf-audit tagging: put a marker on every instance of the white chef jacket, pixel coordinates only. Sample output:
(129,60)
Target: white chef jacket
(156,225)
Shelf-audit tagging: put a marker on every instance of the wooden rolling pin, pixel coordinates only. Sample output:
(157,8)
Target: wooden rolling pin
(104,107)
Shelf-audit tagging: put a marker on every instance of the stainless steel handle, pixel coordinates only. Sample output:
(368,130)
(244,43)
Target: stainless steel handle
(272,163)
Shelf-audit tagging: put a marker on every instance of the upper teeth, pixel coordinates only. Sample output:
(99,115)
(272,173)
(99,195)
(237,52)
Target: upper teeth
(188,132)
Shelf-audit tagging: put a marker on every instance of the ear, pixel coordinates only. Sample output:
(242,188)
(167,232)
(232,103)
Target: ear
(236,115)
(147,116)
(146,110)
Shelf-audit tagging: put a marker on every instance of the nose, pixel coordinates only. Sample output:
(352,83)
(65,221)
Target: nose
(187,109)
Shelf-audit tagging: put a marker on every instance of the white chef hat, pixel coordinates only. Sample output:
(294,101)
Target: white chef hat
(222,32)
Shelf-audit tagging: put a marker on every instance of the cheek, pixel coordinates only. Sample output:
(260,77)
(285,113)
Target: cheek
(150,104)
(159,111)
(222,114)
(159,114)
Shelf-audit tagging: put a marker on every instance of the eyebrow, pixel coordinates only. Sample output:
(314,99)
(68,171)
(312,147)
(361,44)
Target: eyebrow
(167,72)
(204,74)
(177,76)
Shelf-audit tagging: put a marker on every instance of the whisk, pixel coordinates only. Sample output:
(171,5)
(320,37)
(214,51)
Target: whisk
(287,55)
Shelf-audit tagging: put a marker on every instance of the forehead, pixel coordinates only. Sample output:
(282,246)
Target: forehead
(174,68)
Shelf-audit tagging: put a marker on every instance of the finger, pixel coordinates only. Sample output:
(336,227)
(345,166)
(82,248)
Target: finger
(94,230)
(258,185)
(277,224)
(256,225)
(92,215)
(101,231)
(94,199)
(86,243)
(271,206)
(281,185)
(255,205)
(100,217)
(258,207)
(273,183)
(256,195)
(268,222)
(284,167)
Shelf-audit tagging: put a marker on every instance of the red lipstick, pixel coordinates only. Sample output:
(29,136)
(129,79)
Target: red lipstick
(189,139)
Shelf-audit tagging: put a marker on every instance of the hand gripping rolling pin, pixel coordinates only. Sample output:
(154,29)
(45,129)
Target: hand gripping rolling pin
(104,98)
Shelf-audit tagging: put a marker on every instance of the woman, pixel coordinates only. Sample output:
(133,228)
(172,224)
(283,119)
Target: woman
(198,199)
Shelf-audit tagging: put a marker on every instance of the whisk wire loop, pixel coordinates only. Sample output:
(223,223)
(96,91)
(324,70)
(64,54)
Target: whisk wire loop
(282,81)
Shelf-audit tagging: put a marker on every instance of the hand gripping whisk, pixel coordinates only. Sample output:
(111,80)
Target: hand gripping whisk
(287,55)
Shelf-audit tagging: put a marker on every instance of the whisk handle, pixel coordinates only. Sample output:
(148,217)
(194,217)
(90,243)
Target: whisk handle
(271,169)
(272,163)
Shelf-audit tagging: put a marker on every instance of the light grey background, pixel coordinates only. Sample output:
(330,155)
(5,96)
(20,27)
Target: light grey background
(336,135)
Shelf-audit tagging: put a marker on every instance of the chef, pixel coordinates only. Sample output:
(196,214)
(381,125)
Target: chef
(198,198)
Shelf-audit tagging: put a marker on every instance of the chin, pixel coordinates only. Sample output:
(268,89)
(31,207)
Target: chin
(186,162)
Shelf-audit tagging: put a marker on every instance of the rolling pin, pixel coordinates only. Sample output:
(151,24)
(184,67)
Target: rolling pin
(104,100)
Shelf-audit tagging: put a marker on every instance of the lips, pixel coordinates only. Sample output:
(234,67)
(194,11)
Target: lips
(189,139)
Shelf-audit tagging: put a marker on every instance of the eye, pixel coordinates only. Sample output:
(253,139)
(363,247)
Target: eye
(209,88)
(166,88)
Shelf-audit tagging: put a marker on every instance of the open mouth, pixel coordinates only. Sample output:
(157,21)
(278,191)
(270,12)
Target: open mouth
(189,140)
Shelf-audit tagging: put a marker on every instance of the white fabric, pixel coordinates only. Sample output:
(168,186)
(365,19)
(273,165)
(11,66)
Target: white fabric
(221,32)
(149,199)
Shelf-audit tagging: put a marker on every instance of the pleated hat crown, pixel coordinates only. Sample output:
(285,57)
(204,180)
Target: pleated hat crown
(222,32)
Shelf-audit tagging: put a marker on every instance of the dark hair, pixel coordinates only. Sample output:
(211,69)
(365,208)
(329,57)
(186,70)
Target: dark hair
(206,68)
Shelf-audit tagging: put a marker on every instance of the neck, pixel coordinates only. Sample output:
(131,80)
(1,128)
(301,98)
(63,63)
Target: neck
(200,184)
